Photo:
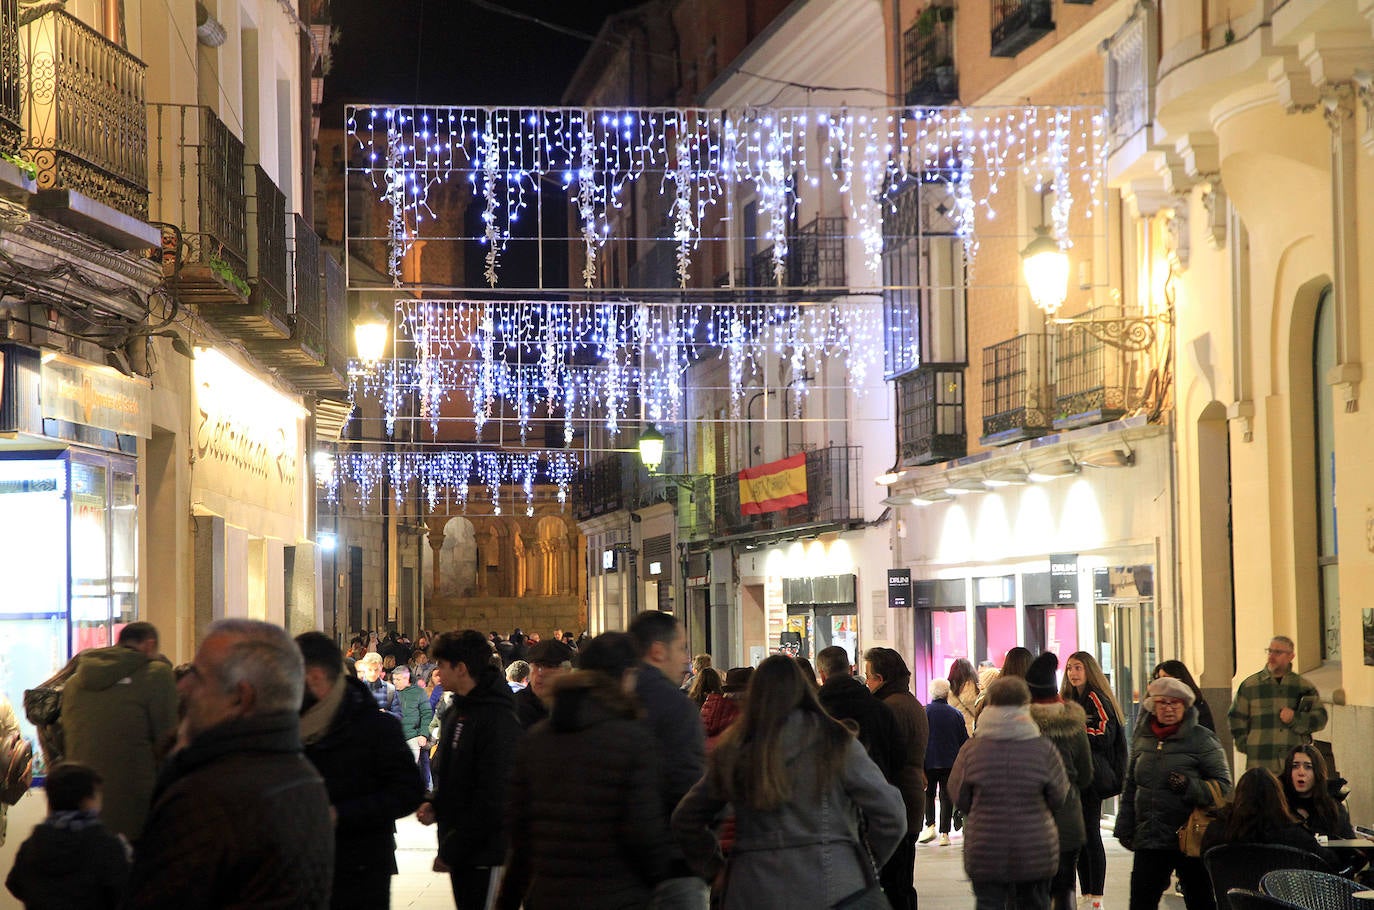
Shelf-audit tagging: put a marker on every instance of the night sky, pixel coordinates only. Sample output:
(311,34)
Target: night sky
(458,51)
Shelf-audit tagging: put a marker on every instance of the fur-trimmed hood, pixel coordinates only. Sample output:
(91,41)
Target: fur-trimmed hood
(1059,720)
(585,698)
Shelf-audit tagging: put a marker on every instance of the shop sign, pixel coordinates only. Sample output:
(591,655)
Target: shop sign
(1064,578)
(898,589)
(94,397)
(249,432)
(923,593)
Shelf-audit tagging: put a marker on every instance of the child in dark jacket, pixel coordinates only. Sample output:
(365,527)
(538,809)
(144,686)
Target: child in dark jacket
(71,859)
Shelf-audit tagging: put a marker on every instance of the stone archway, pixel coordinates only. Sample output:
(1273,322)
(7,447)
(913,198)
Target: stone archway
(458,559)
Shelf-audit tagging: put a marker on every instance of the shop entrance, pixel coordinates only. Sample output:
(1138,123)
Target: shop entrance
(1053,629)
(1127,633)
(814,627)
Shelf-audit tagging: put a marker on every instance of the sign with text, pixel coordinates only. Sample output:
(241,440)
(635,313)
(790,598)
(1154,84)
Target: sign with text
(898,589)
(95,397)
(1064,578)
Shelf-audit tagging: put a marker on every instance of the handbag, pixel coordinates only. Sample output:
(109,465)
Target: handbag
(16,767)
(1191,834)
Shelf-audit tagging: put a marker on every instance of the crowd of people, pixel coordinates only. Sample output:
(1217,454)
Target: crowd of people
(617,772)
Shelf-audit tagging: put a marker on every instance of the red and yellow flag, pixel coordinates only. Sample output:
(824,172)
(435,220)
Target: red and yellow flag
(774,486)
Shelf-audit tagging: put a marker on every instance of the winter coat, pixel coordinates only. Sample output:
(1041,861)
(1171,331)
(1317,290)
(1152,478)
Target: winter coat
(947,734)
(416,712)
(966,703)
(118,709)
(385,695)
(70,860)
(1150,813)
(529,708)
(675,723)
(586,829)
(371,780)
(1063,723)
(805,853)
(1106,738)
(472,765)
(240,819)
(914,728)
(847,699)
(1008,781)
(717,714)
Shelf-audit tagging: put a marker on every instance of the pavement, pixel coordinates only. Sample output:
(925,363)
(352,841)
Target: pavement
(940,879)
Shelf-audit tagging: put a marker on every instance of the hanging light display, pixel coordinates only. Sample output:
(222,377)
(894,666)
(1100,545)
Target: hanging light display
(449,476)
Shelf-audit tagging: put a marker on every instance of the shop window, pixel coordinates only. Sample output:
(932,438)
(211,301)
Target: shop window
(1323,418)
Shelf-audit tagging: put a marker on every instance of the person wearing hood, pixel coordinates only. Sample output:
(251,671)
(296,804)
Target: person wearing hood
(798,781)
(1063,723)
(362,755)
(586,827)
(1009,781)
(119,711)
(472,766)
(1172,755)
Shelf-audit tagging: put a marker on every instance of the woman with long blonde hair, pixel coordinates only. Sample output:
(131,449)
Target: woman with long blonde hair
(1086,684)
(798,782)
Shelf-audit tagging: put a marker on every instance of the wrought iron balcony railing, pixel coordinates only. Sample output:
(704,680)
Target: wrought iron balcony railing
(930,414)
(1095,381)
(928,59)
(307,311)
(832,491)
(606,486)
(335,312)
(11,92)
(815,256)
(268,269)
(85,127)
(1017,24)
(1017,392)
(1132,62)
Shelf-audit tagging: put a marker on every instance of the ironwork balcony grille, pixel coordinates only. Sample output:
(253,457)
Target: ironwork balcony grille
(267,259)
(1017,24)
(832,482)
(815,256)
(308,315)
(930,414)
(605,486)
(928,59)
(11,93)
(1131,63)
(198,183)
(85,126)
(335,311)
(1016,389)
(1094,381)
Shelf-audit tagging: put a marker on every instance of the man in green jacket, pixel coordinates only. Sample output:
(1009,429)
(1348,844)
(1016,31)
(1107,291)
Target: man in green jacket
(1275,709)
(119,713)
(415,717)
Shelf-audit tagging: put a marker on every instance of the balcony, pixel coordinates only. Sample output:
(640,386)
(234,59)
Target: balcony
(1017,24)
(1131,58)
(11,90)
(1095,382)
(815,256)
(314,357)
(930,414)
(85,129)
(832,488)
(269,268)
(928,59)
(606,486)
(1017,393)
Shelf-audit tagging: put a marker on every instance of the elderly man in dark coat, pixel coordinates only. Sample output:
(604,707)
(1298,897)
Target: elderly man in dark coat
(239,817)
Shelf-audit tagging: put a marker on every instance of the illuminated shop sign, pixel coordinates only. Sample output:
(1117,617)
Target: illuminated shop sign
(244,424)
(94,397)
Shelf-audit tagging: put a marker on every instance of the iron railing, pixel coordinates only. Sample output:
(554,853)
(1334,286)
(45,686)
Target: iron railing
(198,184)
(606,486)
(335,311)
(928,58)
(1094,381)
(930,414)
(1017,24)
(815,256)
(832,492)
(1017,391)
(85,127)
(268,269)
(307,310)
(1131,75)
(11,91)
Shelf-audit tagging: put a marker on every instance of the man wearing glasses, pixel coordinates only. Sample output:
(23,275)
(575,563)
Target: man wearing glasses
(1275,709)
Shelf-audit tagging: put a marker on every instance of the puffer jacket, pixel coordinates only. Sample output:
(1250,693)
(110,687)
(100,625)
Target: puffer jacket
(1062,723)
(586,829)
(1151,813)
(1008,780)
(717,714)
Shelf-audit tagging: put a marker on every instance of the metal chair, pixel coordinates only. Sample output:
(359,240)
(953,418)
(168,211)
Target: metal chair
(1243,865)
(1311,890)
(1245,899)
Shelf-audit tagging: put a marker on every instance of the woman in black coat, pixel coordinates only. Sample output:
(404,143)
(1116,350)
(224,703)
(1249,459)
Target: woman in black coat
(1086,684)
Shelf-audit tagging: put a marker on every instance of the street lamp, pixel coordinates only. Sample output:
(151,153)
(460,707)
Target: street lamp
(651,449)
(1046,268)
(369,333)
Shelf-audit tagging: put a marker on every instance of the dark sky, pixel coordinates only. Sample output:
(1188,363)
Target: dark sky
(459,51)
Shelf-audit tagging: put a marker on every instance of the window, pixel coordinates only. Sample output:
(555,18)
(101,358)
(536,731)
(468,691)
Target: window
(1323,418)
(925,294)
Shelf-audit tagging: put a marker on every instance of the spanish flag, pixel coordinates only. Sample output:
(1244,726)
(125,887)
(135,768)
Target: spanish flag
(774,486)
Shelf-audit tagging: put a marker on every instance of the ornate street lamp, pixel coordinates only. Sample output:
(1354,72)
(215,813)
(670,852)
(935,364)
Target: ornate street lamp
(1046,268)
(369,333)
(651,449)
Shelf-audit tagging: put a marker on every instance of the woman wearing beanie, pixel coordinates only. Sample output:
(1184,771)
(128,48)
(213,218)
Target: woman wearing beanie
(1086,684)
(947,736)
(1009,780)
(1171,755)
(1064,724)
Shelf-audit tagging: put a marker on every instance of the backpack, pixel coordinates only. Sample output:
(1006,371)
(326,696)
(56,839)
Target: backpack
(16,767)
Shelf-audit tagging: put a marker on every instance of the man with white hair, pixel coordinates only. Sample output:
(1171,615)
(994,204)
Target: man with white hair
(239,816)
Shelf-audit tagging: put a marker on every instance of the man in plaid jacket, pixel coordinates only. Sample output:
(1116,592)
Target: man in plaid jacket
(1275,709)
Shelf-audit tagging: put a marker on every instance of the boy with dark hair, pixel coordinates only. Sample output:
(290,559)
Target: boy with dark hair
(71,859)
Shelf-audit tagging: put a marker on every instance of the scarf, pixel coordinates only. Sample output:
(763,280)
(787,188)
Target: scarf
(1162,731)
(1006,722)
(316,719)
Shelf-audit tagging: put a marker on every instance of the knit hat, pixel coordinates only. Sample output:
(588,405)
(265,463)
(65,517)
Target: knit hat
(938,688)
(1167,687)
(1040,676)
(737,678)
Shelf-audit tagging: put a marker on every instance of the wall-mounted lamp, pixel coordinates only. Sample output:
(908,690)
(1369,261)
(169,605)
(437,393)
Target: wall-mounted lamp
(1046,268)
(1117,457)
(369,334)
(1007,477)
(965,487)
(651,448)
(930,497)
(1061,467)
